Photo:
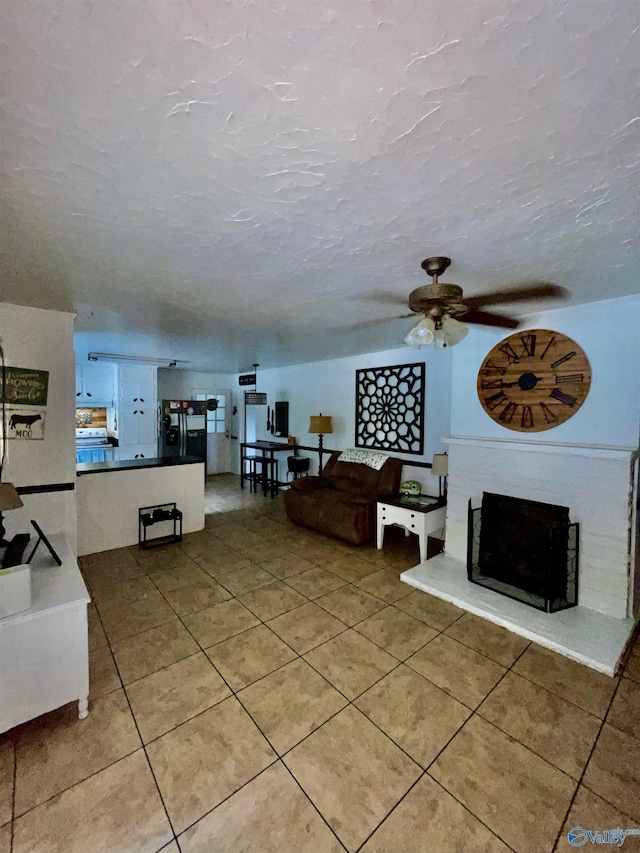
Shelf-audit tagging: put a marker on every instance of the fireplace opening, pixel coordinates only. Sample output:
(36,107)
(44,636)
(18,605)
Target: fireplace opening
(524,549)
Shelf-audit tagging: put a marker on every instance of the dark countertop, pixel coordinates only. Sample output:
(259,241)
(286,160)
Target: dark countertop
(132,464)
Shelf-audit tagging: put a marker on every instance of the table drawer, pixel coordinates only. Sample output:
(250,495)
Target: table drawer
(388,514)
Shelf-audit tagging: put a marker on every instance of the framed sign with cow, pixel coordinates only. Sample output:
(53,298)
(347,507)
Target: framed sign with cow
(25,424)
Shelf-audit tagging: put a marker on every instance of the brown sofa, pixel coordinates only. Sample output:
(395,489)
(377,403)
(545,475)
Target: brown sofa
(342,502)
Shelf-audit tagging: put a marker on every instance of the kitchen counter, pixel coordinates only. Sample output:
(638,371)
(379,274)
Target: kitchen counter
(108,505)
(131,464)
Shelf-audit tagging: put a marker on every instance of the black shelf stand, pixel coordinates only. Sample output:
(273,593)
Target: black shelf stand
(150,515)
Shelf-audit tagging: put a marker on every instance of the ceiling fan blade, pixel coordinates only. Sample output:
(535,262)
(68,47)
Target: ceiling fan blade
(363,325)
(484,318)
(380,297)
(527,293)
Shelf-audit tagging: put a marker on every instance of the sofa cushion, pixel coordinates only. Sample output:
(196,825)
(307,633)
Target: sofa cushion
(354,471)
(344,484)
(310,484)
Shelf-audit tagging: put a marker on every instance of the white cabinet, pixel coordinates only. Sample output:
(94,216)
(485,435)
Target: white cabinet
(136,451)
(95,384)
(137,412)
(44,652)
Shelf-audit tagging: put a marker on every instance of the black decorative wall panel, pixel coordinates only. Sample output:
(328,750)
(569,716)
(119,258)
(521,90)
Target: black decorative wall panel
(390,408)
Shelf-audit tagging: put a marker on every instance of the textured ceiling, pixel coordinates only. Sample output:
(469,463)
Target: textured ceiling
(225,182)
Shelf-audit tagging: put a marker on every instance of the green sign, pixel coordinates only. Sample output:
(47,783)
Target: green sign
(24,387)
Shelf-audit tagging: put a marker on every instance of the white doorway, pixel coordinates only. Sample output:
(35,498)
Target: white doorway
(218,441)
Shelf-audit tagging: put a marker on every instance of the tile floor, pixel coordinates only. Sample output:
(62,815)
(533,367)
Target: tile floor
(263,688)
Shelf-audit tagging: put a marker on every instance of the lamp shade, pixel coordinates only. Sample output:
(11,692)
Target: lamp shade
(9,497)
(440,465)
(320,424)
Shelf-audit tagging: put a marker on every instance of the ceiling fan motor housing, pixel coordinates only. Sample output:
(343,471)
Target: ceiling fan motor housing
(438,300)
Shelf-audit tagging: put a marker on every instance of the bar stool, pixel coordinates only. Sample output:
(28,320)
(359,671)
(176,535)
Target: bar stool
(249,472)
(268,474)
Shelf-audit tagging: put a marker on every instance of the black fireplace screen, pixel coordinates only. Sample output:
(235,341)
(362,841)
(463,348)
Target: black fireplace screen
(524,549)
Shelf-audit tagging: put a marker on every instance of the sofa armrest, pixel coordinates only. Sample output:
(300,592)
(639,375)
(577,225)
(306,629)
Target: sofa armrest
(362,497)
(310,484)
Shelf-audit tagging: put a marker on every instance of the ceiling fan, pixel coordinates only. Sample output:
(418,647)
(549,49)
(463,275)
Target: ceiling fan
(444,306)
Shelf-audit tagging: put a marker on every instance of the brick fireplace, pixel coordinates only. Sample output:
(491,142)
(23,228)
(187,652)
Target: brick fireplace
(597,484)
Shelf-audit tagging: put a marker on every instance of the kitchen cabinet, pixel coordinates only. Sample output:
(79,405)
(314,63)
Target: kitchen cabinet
(95,385)
(137,412)
(136,451)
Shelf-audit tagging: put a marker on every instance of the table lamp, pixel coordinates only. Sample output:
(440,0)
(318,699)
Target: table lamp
(9,499)
(440,469)
(320,425)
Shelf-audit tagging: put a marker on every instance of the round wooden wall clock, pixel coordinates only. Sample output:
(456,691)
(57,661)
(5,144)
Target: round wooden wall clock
(534,380)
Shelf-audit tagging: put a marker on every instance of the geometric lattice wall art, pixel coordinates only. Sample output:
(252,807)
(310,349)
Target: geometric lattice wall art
(390,408)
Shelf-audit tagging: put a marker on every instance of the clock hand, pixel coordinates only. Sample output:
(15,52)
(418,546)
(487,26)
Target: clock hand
(517,382)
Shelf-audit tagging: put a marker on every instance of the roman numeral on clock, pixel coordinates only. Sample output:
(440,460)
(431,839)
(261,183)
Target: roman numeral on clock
(548,414)
(528,344)
(570,377)
(562,360)
(491,365)
(510,353)
(526,421)
(559,395)
(544,351)
(506,415)
(494,401)
(491,383)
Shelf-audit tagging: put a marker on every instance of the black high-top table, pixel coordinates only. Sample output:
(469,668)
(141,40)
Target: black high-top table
(268,477)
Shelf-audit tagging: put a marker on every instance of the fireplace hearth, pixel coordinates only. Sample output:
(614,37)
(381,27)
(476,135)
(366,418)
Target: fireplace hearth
(524,549)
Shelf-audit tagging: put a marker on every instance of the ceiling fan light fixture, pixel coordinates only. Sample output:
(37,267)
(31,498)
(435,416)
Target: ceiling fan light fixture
(422,334)
(451,333)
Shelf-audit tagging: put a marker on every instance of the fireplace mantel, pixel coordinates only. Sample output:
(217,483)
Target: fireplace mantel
(598,451)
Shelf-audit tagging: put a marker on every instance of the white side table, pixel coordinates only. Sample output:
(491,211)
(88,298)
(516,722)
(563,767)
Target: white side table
(422,515)
(44,651)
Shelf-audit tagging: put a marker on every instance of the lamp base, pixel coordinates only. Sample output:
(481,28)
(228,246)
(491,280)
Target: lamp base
(320,449)
(3,542)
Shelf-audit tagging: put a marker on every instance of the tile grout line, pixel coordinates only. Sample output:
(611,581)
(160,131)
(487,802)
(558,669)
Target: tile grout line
(586,766)
(425,770)
(474,712)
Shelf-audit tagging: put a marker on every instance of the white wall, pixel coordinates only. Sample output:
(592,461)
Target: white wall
(329,387)
(609,333)
(43,340)
(176,384)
